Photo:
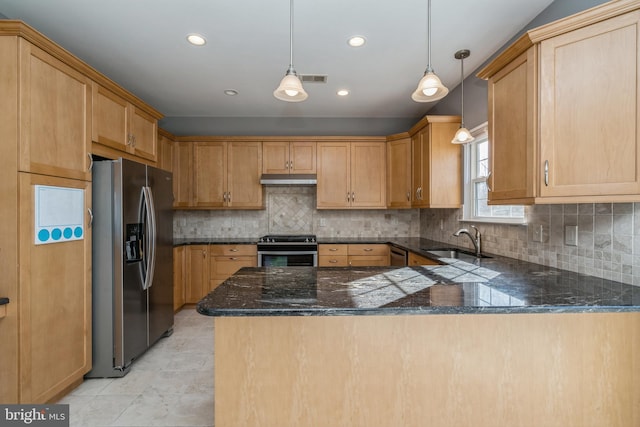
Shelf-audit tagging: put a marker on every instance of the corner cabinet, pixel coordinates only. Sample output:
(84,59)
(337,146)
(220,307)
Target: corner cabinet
(351,175)
(436,168)
(563,111)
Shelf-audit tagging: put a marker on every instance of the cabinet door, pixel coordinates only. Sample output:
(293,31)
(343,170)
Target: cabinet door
(589,115)
(416,260)
(275,157)
(197,273)
(399,173)
(144,131)
(512,131)
(223,267)
(165,153)
(368,261)
(54,300)
(334,172)
(182,174)
(110,124)
(55,116)
(178,277)
(368,175)
(419,161)
(209,174)
(442,174)
(244,165)
(302,157)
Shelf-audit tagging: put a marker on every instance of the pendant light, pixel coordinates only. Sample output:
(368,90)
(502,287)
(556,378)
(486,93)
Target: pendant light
(430,88)
(463,135)
(290,89)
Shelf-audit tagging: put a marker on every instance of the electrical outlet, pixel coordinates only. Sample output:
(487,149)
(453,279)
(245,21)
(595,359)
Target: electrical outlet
(537,233)
(571,235)
(322,222)
(441,224)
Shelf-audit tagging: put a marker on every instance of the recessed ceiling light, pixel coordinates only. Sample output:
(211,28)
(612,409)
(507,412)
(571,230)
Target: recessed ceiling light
(356,41)
(231,92)
(343,92)
(196,39)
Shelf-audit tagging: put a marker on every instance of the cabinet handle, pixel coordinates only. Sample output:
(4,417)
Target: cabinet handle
(90,212)
(204,253)
(333,261)
(232,258)
(333,249)
(224,196)
(134,140)
(291,165)
(233,250)
(348,197)
(368,249)
(353,197)
(546,173)
(286,165)
(90,162)
(229,196)
(4,300)
(487,181)
(408,196)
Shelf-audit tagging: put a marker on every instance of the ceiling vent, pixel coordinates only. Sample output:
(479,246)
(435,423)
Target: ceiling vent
(313,78)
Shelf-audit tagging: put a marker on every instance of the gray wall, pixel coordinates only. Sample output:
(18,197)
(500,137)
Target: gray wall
(475,89)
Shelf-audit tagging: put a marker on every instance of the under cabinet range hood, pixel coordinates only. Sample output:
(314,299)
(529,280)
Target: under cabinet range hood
(286,179)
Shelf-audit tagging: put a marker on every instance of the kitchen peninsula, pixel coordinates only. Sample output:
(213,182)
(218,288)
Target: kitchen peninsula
(483,342)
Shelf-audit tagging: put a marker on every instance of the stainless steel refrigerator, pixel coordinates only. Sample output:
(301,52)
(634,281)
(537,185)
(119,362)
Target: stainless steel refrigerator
(132,263)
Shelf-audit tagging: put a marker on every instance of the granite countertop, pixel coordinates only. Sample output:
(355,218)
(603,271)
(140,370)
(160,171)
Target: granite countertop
(462,285)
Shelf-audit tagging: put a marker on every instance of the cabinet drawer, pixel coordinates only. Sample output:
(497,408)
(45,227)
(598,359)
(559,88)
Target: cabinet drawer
(376,249)
(332,250)
(369,261)
(225,266)
(333,260)
(233,250)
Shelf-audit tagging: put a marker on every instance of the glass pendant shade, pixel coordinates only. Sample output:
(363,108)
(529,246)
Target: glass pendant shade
(462,136)
(290,88)
(429,89)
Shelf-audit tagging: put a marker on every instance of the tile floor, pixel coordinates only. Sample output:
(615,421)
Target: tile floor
(170,385)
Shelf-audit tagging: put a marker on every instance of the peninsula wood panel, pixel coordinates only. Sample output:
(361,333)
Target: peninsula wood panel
(483,370)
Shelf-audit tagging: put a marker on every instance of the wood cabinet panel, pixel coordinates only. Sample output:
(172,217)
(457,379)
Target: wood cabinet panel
(165,153)
(55,107)
(415,260)
(196,273)
(182,174)
(289,157)
(331,249)
(302,157)
(179,262)
(368,249)
(333,260)
(55,301)
(209,174)
(244,164)
(399,173)
(227,259)
(334,171)
(120,125)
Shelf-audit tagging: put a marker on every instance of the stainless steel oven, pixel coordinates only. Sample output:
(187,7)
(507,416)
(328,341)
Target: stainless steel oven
(287,251)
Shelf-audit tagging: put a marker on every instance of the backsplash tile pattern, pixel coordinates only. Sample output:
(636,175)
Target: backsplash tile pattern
(292,210)
(608,237)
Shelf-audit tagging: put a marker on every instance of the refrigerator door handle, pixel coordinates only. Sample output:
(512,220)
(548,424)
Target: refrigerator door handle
(147,276)
(151,212)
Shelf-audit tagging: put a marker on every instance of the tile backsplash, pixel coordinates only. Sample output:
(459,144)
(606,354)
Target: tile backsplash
(608,237)
(608,234)
(292,210)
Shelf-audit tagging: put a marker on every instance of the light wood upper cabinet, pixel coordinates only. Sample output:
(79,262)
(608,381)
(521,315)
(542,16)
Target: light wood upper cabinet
(165,152)
(226,174)
(289,157)
(563,111)
(54,115)
(351,175)
(436,163)
(120,125)
(399,172)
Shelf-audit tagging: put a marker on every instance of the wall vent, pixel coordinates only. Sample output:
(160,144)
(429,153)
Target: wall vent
(313,78)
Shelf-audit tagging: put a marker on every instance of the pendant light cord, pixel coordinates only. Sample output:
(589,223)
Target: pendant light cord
(462,90)
(291,36)
(429,69)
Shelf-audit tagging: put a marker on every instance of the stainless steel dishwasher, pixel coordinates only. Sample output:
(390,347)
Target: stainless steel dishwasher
(398,256)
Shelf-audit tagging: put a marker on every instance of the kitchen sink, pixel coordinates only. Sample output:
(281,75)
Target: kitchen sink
(453,253)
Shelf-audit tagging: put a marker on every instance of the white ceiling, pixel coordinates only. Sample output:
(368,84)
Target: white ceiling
(141,45)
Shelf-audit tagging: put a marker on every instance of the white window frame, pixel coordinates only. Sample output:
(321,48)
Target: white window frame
(480,133)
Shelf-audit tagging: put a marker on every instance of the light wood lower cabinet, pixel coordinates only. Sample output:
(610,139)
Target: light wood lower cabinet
(415,260)
(207,266)
(196,272)
(178,277)
(355,255)
(225,260)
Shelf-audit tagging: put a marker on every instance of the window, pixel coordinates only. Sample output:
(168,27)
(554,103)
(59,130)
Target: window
(476,160)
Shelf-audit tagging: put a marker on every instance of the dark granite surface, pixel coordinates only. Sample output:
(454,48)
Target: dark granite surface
(463,285)
(215,241)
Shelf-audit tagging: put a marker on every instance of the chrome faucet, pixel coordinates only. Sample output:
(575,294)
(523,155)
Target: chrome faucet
(477,240)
